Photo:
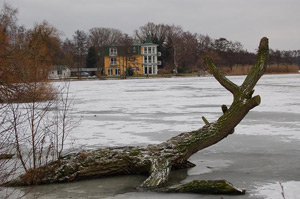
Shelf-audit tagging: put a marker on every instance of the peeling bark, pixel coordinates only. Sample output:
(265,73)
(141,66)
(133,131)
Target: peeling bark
(157,160)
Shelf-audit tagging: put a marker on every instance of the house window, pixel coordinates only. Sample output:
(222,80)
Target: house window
(109,71)
(113,61)
(113,52)
(117,71)
(145,59)
(59,72)
(145,70)
(150,70)
(150,59)
(145,50)
(149,50)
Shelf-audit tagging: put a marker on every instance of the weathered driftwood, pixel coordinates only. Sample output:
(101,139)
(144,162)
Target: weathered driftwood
(157,160)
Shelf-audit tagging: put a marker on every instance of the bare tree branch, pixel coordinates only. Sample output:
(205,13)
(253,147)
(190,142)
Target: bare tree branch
(226,83)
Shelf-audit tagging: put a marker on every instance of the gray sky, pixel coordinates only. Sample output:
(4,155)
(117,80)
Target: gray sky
(237,20)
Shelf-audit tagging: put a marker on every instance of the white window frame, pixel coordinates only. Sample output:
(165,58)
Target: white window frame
(113,51)
(150,59)
(110,71)
(113,61)
(150,70)
(117,71)
(154,70)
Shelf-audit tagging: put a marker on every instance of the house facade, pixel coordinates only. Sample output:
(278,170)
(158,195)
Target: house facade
(59,72)
(141,59)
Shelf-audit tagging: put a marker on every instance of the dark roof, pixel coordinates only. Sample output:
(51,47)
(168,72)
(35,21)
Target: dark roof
(59,67)
(148,40)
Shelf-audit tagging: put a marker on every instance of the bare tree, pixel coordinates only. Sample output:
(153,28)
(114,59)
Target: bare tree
(80,40)
(204,42)
(28,102)
(69,50)
(158,32)
(63,122)
(175,40)
(100,37)
(38,130)
(8,21)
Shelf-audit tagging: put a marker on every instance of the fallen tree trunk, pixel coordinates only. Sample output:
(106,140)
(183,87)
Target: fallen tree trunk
(157,160)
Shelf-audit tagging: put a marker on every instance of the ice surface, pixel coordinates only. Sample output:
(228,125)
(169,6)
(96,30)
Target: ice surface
(290,190)
(139,112)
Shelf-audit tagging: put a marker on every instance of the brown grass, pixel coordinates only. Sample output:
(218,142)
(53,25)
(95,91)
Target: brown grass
(271,69)
(29,92)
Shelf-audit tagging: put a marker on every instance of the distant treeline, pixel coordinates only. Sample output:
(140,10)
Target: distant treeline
(179,49)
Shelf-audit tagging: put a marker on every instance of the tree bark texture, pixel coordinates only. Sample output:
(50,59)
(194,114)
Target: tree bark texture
(157,160)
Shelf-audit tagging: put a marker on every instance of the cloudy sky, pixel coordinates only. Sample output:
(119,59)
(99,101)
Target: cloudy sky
(245,21)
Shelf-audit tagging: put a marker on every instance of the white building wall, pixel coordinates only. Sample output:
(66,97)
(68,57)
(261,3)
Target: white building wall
(153,64)
(53,74)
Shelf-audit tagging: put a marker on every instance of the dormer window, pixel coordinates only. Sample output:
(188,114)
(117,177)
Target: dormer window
(113,52)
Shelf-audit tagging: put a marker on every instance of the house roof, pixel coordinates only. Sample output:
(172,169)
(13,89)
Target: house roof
(59,67)
(148,40)
(134,50)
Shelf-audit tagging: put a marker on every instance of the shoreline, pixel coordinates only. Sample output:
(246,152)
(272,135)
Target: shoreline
(154,77)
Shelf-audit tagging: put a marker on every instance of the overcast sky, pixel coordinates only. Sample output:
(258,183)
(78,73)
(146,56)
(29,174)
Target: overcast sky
(245,21)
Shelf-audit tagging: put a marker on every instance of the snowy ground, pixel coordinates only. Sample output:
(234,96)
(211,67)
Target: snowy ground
(263,152)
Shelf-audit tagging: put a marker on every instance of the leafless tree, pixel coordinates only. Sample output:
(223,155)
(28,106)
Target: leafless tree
(100,37)
(34,120)
(80,40)
(174,39)
(157,32)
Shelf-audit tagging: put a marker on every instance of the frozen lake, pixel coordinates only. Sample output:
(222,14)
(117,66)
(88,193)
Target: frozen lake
(263,152)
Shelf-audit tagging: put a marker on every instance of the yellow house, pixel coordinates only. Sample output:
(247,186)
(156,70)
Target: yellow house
(141,59)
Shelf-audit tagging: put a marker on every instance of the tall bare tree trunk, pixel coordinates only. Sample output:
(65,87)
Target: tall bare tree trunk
(175,61)
(158,160)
